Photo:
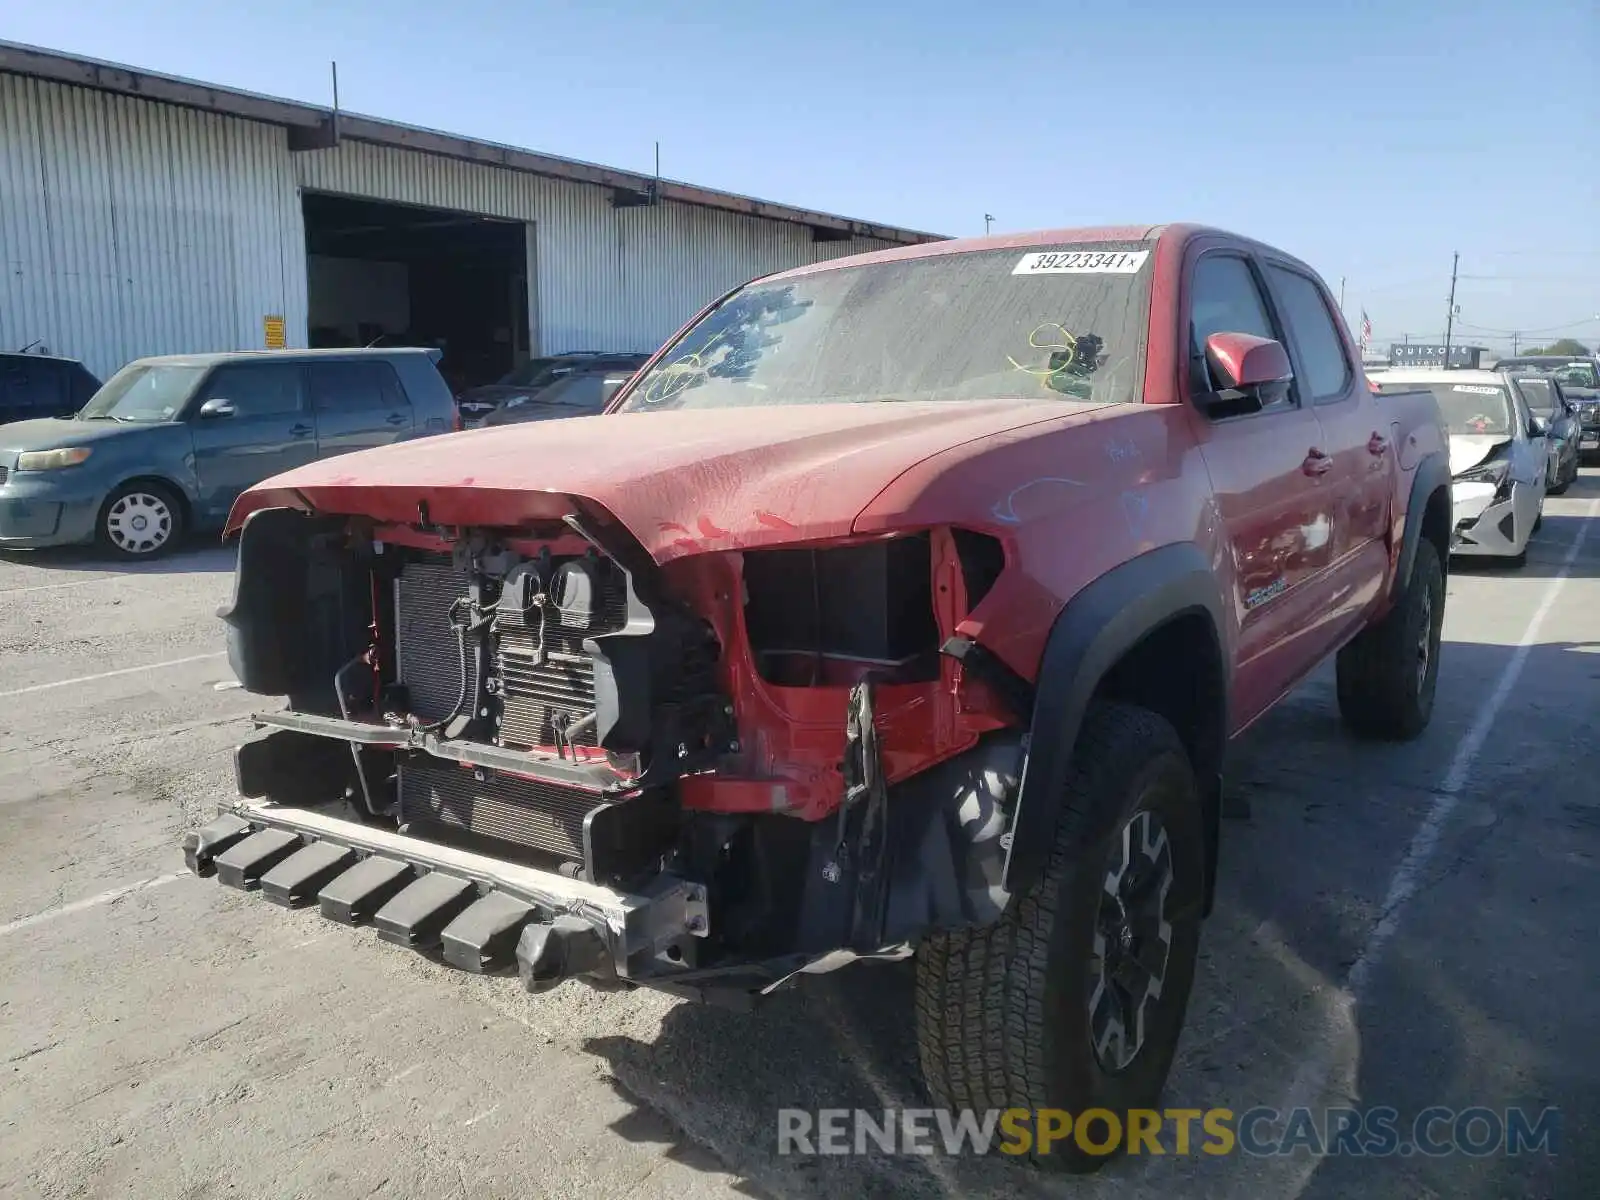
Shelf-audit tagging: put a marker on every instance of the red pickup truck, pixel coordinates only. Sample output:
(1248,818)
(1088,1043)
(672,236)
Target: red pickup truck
(901,605)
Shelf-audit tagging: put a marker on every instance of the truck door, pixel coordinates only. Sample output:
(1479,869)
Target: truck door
(1270,477)
(359,404)
(1358,437)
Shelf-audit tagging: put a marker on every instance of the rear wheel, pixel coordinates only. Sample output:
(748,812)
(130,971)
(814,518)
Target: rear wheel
(140,520)
(1388,675)
(1075,998)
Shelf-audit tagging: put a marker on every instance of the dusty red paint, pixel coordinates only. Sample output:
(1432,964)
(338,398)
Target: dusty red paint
(1070,490)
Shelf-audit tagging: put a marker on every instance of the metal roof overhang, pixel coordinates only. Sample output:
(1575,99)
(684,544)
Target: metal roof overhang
(313,127)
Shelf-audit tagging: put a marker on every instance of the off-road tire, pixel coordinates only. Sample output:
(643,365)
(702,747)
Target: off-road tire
(1385,691)
(1003,1014)
(168,507)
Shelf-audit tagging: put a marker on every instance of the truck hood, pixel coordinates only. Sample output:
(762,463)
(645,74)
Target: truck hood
(1467,450)
(682,482)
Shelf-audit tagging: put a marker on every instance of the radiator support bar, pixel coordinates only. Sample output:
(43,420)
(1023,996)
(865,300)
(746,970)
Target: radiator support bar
(547,768)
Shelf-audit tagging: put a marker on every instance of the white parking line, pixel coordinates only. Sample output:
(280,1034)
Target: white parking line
(60,683)
(78,906)
(1333,1062)
(71,583)
(1403,884)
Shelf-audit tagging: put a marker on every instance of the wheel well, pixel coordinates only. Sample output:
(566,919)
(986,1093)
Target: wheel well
(176,493)
(1436,524)
(1176,670)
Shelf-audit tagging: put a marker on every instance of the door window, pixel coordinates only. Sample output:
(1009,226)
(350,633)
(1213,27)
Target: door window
(1323,361)
(1224,297)
(16,390)
(1541,397)
(1519,409)
(258,389)
(355,387)
(32,389)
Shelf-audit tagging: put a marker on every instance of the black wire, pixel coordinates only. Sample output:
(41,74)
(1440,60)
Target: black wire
(461,631)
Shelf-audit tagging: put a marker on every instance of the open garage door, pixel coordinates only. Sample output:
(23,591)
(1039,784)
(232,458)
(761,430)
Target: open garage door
(398,275)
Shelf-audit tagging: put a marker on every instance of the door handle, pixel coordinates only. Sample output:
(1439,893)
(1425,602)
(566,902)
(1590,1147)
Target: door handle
(1316,462)
(397,419)
(300,431)
(1377,444)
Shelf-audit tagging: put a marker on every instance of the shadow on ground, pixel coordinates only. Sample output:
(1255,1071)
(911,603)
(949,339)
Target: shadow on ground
(1447,1018)
(199,553)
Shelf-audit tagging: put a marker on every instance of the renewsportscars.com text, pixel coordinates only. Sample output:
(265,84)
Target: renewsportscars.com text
(1376,1132)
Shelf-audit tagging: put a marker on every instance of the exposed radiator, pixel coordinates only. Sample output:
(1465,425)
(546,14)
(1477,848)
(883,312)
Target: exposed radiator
(531,699)
(536,694)
(427,654)
(543,816)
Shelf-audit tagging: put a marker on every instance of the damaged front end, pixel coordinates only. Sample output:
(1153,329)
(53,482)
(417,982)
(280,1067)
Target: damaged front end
(540,748)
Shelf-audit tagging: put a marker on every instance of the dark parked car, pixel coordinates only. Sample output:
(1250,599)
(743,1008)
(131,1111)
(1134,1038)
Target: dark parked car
(1545,399)
(533,376)
(582,393)
(1579,377)
(41,385)
(169,443)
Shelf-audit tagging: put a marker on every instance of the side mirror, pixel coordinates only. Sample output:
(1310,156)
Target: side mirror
(1538,427)
(213,410)
(1252,370)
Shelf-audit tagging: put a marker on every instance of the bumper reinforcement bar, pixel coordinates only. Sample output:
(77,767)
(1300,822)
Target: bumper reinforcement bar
(478,913)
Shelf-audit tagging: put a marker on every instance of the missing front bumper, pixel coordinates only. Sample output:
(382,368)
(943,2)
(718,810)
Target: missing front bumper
(478,913)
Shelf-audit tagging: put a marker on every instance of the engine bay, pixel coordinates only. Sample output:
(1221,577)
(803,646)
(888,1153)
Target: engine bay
(560,700)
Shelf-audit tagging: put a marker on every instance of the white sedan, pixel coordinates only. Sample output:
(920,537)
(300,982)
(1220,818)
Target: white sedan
(1498,457)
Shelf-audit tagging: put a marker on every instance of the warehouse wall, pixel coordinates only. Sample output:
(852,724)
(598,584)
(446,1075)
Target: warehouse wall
(604,278)
(130,228)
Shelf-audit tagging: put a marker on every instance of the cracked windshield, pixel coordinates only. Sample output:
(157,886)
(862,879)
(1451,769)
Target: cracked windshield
(1063,323)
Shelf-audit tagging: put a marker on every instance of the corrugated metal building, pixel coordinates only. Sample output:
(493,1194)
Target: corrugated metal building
(142,214)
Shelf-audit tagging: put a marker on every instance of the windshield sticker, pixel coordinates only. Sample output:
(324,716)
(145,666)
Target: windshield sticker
(1081,262)
(1476,389)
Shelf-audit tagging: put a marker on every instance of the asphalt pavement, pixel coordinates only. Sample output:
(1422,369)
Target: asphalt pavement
(1408,926)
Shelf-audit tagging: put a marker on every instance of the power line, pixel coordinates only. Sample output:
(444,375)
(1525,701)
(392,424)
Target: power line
(1525,332)
(1529,278)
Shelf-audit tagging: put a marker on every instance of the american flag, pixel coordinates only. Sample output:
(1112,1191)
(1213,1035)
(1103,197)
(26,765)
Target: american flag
(1366,331)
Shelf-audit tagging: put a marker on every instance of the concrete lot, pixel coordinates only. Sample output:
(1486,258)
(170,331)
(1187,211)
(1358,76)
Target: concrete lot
(1408,925)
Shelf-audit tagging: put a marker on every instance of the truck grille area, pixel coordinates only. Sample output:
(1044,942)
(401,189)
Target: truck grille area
(525,812)
(540,692)
(544,675)
(427,653)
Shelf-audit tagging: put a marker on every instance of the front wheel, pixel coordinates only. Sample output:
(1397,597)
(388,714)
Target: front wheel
(1075,998)
(1387,676)
(140,520)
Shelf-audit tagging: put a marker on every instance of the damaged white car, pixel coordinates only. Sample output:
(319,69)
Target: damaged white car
(1498,457)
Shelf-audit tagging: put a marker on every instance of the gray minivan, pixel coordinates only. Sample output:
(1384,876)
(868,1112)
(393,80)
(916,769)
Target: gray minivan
(168,444)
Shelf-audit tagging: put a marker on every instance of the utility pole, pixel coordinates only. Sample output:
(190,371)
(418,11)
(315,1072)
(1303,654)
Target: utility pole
(988,220)
(1341,293)
(1515,339)
(1450,312)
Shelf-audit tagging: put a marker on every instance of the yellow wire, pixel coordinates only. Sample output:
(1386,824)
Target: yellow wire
(1070,345)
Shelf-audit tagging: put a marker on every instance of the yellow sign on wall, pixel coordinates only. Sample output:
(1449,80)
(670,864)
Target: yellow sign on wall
(273,328)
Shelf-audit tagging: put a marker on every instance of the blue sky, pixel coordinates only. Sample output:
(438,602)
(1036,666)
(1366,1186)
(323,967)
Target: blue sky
(1372,139)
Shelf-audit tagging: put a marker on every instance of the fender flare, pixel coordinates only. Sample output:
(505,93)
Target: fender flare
(1095,629)
(1433,472)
